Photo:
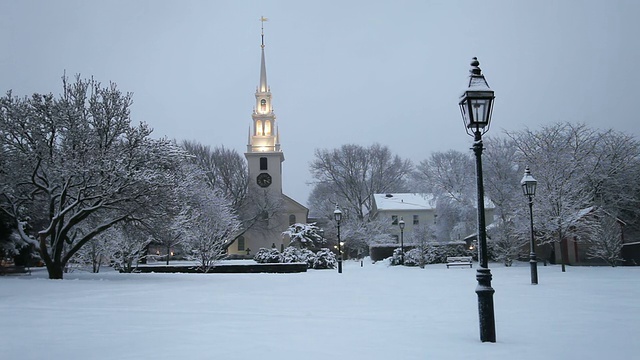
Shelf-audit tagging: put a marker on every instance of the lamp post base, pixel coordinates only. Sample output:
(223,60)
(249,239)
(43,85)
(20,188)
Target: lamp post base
(339,266)
(485,305)
(534,268)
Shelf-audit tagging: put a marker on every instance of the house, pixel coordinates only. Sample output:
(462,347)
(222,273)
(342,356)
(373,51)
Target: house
(415,209)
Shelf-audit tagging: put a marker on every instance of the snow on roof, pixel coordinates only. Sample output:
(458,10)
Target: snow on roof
(404,201)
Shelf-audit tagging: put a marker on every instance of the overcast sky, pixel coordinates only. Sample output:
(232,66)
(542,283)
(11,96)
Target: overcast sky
(340,71)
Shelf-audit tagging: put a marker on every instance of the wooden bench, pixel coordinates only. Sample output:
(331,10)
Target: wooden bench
(459,261)
(14,270)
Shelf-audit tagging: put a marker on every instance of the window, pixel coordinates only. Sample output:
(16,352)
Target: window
(263,105)
(292,219)
(416,220)
(394,219)
(241,243)
(263,163)
(267,128)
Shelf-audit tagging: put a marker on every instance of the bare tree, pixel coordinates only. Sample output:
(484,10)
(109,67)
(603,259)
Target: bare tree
(356,173)
(446,175)
(225,169)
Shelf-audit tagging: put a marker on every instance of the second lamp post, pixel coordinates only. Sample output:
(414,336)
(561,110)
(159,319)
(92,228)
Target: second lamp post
(529,189)
(337,215)
(401,224)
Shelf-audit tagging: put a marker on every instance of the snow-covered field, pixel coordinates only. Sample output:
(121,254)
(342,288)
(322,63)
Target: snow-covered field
(370,312)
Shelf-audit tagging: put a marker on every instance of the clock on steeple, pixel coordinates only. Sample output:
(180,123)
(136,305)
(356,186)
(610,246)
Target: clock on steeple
(264,180)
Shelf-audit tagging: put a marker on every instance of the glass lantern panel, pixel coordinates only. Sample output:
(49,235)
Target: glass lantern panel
(480,112)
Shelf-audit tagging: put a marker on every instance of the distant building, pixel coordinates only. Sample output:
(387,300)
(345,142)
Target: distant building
(416,209)
(264,160)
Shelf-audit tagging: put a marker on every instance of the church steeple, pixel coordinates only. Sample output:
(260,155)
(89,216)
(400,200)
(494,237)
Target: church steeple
(264,137)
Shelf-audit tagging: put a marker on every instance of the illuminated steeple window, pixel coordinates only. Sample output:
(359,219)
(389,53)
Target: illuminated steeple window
(263,106)
(267,128)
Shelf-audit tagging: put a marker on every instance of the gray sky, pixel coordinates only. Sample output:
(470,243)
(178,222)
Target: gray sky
(340,71)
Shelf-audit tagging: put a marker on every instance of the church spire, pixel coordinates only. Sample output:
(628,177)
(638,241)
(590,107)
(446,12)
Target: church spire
(263,68)
(264,137)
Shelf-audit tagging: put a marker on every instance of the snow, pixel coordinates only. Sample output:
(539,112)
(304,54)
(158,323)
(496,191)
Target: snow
(369,312)
(404,201)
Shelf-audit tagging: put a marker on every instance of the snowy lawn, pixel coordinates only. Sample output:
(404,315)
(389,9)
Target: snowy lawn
(373,312)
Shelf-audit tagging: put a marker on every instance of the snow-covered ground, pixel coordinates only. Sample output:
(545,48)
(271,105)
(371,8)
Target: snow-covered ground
(370,312)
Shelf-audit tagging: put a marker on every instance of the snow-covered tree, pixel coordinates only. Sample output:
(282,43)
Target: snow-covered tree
(606,241)
(226,173)
(423,238)
(557,155)
(211,224)
(127,245)
(304,235)
(74,159)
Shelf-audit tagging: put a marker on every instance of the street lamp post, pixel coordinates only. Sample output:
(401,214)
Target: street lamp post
(476,105)
(401,224)
(337,215)
(529,189)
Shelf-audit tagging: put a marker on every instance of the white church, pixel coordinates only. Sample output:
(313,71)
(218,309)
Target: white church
(264,160)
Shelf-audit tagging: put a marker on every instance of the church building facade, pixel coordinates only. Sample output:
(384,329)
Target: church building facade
(264,161)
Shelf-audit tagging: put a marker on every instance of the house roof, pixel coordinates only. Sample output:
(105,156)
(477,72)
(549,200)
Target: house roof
(404,201)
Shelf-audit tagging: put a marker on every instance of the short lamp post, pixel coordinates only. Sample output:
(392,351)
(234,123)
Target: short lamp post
(476,105)
(401,224)
(529,189)
(337,215)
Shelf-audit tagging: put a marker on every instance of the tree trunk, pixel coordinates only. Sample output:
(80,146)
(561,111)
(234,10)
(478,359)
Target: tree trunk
(563,254)
(56,270)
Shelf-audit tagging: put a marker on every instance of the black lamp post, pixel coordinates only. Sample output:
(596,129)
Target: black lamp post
(476,105)
(401,224)
(337,215)
(529,189)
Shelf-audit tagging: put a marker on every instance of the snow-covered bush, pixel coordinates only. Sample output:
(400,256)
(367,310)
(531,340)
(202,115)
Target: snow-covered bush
(307,256)
(325,259)
(268,256)
(290,255)
(414,257)
(293,254)
(396,258)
